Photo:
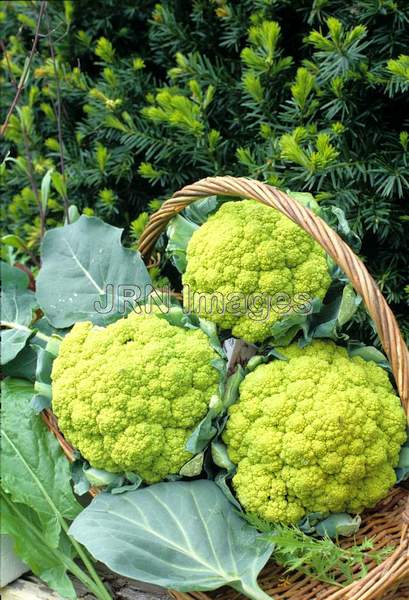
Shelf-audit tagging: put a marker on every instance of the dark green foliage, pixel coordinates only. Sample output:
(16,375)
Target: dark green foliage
(307,95)
(320,558)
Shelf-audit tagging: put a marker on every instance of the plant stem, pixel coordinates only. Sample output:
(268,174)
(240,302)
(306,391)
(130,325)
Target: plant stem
(98,588)
(42,336)
(83,577)
(57,110)
(251,590)
(32,256)
(43,388)
(86,561)
(9,325)
(32,179)
(23,78)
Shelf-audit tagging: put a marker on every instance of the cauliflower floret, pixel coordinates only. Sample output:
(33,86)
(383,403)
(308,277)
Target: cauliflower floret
(128,396)
(302,447)
(248,266)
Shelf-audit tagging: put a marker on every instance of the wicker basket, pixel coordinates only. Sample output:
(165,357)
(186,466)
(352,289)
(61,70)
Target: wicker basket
(388,523)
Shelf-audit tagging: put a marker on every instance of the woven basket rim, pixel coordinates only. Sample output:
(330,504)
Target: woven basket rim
(395,567)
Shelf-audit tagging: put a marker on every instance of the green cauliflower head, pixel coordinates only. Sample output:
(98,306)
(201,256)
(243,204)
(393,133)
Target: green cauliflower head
(320,432)
(248,265)
(128,396)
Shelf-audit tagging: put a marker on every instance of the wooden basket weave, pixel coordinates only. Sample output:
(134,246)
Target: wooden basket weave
(388,523)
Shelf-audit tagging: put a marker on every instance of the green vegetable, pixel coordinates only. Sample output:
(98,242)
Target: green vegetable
(214,421)
(324,559)
(18,320)
(47,561)
(36,497)
(320,432)
(79,261)
(129,396)
(248,266)
(17,306)
(329,320)
(402,469)
(181,535)
(334,525)
(182,227)
(13,277)
(306,199)
(24,365)
(369,353)
(321,559)
(179,232)
(42,384)
(23,438)
(199,211)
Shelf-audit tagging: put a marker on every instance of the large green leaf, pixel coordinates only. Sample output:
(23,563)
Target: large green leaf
(344,229)
(179,232)
(179,535)
(23,365)
(13,277)
(284,331)
(203,432)
(333,525)
(79,261)
(199,211)
(306,199)
(215,419)
(17,307)
(330,320)
(324,321)
(225,472)
(182,227)
(42,385)
(34,470)
(23,525)
(369,353)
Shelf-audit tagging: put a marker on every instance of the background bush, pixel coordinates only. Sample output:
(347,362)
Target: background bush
(307,95)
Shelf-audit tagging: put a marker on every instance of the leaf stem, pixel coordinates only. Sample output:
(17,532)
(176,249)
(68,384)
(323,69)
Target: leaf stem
(251,589)
(10,325)
(97,587)
(86,561)
(44,389)
(42,336)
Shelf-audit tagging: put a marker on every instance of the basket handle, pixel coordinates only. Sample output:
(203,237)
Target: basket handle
(385,322)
